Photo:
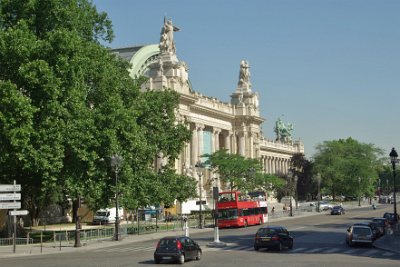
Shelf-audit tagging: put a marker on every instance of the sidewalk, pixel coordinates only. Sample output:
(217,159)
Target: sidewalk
(389,242)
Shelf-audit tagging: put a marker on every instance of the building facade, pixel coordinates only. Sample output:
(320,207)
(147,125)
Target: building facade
(215,125)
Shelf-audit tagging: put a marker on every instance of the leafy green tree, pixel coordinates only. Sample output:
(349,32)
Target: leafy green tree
(242,174)
(302,168)
(347,164)
(68,105)
(385,182)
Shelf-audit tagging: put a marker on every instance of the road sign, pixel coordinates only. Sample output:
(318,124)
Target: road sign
(202,202)
(10,205)
(10,187)
(18,212)
(15,196)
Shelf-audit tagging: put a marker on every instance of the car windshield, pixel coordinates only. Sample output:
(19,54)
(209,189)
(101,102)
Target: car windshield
(361,231)
(337,207)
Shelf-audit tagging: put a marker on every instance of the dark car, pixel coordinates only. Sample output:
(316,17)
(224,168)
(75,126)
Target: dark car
(359,234)
(382,223)
(273,237)
(180,249)
(337,210)
(376,232)
(390,217)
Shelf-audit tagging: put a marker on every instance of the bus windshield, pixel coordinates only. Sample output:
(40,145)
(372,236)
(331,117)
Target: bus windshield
(228,214)
(225,197)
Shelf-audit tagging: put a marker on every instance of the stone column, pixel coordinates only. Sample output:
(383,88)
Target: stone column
(270,165)
(215,141)
(194,146)
(251,145)
(200,128)
(227,144)
(242,144)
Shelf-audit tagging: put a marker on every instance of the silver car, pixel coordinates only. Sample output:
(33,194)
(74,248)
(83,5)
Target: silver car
(358,234)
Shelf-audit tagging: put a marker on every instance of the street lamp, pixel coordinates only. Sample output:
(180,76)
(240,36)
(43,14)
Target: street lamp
(296,196)
(359,192)
(291,176)
(199,170)
(319,190)
(116,161)
(393,159)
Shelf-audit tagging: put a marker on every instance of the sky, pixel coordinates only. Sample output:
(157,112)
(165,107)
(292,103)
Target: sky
(330,67)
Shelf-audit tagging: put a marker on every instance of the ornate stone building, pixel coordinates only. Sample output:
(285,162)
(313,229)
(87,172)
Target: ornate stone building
(235,126)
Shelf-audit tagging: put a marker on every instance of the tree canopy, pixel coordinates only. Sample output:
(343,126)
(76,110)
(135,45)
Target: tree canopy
(243,174)
(346,165)
(67,105)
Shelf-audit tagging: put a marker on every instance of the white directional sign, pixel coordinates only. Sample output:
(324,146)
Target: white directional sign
(10,205)
(15,196)
(10,187)
(18,212)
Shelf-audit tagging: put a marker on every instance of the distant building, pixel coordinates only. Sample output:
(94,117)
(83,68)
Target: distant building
(215,125)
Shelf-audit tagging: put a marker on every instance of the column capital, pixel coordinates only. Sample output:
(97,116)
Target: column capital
(199,126)
(216,130)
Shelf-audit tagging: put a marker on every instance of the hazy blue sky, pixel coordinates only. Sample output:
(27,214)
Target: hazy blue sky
(331,67)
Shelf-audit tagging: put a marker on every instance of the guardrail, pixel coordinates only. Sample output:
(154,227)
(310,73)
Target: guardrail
(19,241)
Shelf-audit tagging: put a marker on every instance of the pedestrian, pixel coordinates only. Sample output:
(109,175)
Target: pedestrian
(273,211)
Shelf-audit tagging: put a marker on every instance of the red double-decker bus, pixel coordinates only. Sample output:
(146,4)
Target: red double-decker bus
(237,210)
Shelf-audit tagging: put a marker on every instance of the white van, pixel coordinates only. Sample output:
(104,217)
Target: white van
(104,216)
(286,202)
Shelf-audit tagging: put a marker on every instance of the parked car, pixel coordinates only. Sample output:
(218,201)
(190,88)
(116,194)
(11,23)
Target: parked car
(376,232)
(273,237)
(359,234)
(390,217)
(325,205)
(337,210)
(382,223)
(179,248)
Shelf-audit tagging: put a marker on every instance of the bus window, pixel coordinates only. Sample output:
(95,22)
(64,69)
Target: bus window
(228,214)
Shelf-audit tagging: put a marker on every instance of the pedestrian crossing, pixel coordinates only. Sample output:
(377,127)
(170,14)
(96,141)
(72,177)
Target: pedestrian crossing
(366,252)
(125,249)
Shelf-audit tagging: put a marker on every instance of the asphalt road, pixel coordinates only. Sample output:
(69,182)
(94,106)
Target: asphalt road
(319,241)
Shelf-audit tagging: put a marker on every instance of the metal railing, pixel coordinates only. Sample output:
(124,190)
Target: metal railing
(19,241)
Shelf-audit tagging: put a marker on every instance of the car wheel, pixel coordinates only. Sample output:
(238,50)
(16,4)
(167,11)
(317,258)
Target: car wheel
(256,248)
(181,259)
(291,244)
(156,261)
(198,257)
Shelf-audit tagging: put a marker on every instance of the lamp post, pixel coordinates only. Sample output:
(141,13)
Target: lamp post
(116,161)
(319,190)
(216,243)
(359,192)
(296,179)
(393,159)
(199,170)
(290,176)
